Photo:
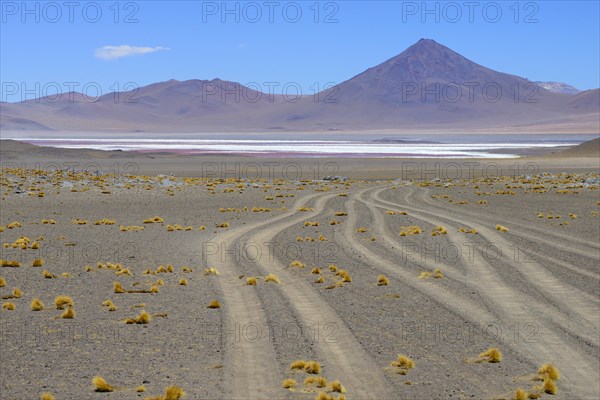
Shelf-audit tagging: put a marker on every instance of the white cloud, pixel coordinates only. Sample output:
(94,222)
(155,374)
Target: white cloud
(114,52)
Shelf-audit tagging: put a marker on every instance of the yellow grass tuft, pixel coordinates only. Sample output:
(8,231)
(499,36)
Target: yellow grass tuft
(440,230)
(48,275)
(272,278)
(289,383)
(69,313)
(9,306)
(491,355)
(47,396)
(2,282)
(125,271)
(501,228)
(251,281)
(10,263)
(118,288)
(142,319)
(297,264)
(333,267)
(298,365)
(312,367)
(174,393)
(101,385)
(520,394)
(320,280)
(183,282)
(154,220)
(425,275)
(382,280)
(214,304)
(315,271)
(549,386)
(549,371)
(403,362)
(437,273)
(324,396)
(140,389)
(336,386)
(410,230)
(63,301)
(211,271)
(37,305)
(345,275)
(223,225)
(362,229)
(17,293)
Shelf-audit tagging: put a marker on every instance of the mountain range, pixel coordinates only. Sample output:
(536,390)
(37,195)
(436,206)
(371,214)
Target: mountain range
(426,87)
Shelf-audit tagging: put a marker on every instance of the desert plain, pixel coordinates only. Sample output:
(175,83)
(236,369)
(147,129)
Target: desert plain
(402,279)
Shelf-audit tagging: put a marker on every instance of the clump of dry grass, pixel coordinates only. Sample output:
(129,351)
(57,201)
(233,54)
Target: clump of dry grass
(336,386)
(437,273)
(143,318)
(345,275)
(125,271)
(48,275)
(10,263)
(549,371)
(154,220)
(501,228)
(2,282)
(272,278)
(362,229)
(101,385)
(298,365)
(402,365)
(223,225)
(315,271)
(520,394)
(324,396)
(214,304)
(439,230)
(425,275)
(47,396)
(183,282)
(251,281)
(9,306)
(118,288)
(312,367)
(333,267)
(69,313)
(297,264)
(140,389)
(410,230)
(37,305)
(320,279)
(63,301)
(491,355)
(319,381)
(549,386)
(382,280)
(211,271)
(289,383)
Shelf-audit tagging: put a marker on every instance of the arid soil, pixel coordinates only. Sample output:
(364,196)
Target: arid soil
(518,258)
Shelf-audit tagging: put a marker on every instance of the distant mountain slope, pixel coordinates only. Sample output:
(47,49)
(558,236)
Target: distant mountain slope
(427,86)
(558,87)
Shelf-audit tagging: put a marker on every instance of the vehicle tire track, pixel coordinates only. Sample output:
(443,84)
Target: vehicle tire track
(250,365)
(345,357)
(579,365)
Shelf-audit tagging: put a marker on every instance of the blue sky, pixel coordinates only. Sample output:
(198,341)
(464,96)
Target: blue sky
(53,44)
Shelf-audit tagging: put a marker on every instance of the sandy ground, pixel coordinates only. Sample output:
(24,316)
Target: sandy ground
(531,291)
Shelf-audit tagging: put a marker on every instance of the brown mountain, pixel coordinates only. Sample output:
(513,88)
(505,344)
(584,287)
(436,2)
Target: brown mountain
(428,86)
